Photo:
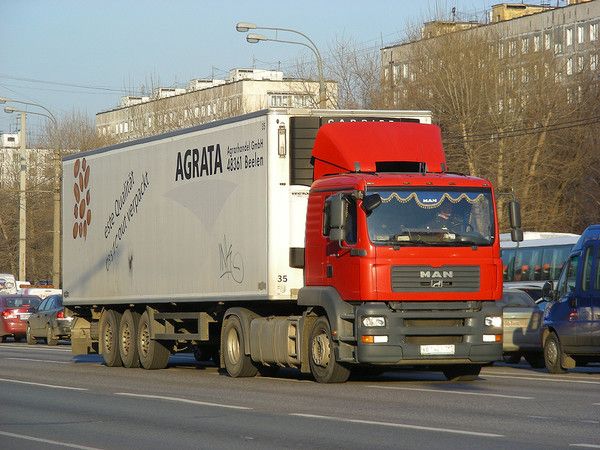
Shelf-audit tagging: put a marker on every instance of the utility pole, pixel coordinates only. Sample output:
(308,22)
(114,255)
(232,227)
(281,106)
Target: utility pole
(22,201)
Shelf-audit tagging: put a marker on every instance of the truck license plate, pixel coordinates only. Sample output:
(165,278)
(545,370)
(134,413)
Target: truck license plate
(437,349)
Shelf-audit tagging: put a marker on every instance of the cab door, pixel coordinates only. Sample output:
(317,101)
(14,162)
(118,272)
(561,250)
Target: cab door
(35,320)
(562,313)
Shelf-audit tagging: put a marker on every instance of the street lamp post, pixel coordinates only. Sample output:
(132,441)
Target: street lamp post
(252,38)
(55,194)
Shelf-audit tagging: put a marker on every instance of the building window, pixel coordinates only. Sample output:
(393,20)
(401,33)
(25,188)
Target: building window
(594,61)
(512,48)
(547,41)
(501,50)
(396,72)
(569,66)
(525,45)
(580,34)
(536,43)
(569,37)
(196,112)
(594,32)
(405,70)
(524,75)
(580,64)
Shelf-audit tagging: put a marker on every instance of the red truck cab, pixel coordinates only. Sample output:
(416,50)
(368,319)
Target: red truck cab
(404,255)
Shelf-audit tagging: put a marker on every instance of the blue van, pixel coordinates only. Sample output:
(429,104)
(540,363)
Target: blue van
(571,332)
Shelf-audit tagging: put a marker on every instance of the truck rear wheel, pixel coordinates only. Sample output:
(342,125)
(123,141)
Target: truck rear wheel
(153,354)
(462,372)
(128,339)
(109,335)
(323,366)
(237,363)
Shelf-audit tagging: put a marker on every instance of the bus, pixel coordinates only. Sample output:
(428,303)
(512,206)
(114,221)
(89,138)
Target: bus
(538,258)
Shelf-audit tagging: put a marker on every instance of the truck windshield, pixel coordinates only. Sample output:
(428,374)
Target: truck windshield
(432,217)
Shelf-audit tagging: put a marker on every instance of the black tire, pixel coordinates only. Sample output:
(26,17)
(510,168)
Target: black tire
(535,360)
(31,340)
(19,337)
(466,372)
(109,336)
(2,338)
(321,355)
(237,363)
(50,338)
(553,354)
(128,331)
(153,355)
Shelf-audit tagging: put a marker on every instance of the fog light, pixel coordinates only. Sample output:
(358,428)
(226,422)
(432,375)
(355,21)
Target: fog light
(374,339)
(492,338)
(494,321)
(373,321)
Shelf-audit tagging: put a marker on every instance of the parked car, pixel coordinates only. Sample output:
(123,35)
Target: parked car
(522,321)
(14,312)
(49,321)
(571,334)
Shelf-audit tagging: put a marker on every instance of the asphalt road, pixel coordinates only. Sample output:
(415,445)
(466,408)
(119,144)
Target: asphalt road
(52,399)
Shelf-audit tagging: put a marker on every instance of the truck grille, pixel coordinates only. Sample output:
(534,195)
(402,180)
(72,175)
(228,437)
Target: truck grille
(435,279)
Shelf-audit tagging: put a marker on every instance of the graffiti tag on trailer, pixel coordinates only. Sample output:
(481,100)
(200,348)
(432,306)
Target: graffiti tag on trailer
(231,262)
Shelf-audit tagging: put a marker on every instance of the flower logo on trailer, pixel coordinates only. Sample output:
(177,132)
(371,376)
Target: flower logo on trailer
(81,191)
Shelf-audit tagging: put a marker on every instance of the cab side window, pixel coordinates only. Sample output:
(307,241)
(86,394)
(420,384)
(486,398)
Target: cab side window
(350,225)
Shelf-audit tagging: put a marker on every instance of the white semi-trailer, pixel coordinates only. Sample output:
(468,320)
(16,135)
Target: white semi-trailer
(195,240)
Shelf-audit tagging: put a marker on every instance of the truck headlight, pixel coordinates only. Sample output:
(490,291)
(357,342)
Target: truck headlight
(493,321)
(373,321)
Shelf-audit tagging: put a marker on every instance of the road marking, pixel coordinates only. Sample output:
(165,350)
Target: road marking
(40,360)
(18,347)
(540,417)
(46,441)
(585,445)
(545,379)
(53,386)
(518,397)
(398,425)
(596,404)
(544,376)
(183,400)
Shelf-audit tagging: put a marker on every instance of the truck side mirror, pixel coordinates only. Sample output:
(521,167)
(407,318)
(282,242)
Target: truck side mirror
(548,290)
(371,202)
(338,210)
(514,214)
(516,235)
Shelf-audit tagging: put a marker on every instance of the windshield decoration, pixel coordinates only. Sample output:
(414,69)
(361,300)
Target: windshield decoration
(429,200)
(432,217)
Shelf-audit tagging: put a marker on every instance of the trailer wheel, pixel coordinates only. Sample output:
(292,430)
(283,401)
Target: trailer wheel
(237,363)
(128,329)
(109,335)
(553,354)
(323,366)
(462,372)
(153,354)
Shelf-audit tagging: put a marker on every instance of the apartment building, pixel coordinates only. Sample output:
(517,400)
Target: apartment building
(244,91)
(38,162)
(569,33)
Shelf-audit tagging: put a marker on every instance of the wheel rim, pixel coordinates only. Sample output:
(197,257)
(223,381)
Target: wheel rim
(552,352)
(233,346)
(321,350)
(125,339)
(108,336)
(144,340)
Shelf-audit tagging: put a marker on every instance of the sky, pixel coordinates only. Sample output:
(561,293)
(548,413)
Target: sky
(82,56)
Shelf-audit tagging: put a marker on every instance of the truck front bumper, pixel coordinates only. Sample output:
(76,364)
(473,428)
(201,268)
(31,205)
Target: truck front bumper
(428,333)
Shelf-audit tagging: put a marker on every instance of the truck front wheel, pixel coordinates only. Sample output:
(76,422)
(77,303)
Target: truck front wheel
(128,328)
(153,355)
(237,363)
(323,366)
(109,335)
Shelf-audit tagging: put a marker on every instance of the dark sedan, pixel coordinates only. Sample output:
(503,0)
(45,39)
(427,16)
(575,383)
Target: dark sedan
(49,321)
(14,312)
